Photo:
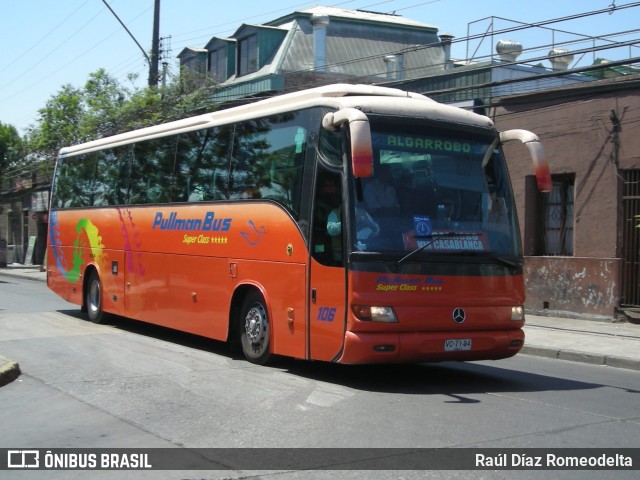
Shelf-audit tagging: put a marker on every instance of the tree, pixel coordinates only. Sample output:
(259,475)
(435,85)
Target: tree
(190,93)
(103,99)
(104,107)
(10,147)
(59,124)
(143,108)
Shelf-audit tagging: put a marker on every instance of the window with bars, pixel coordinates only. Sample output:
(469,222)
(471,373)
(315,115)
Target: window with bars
(554,232)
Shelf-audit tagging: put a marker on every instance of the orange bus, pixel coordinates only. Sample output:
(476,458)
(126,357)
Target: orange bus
(346,223)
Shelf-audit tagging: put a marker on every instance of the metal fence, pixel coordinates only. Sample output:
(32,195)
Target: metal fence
(630,285)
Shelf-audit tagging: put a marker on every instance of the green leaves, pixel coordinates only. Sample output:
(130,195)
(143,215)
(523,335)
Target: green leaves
(10,147)
(105,107)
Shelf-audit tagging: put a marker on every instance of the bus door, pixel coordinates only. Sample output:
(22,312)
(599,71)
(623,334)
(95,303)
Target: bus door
(327,314)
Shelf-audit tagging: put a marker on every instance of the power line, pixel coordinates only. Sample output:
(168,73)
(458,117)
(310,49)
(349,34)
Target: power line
(43,38)
(213,30)
(491,84)
(56,48)
(621,7)
(128,31)
(414,48)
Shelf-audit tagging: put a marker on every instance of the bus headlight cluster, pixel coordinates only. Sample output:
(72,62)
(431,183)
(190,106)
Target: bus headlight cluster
(517,313)
(374,314)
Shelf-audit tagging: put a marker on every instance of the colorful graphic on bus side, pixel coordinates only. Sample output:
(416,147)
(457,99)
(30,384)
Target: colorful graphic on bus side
(85,229)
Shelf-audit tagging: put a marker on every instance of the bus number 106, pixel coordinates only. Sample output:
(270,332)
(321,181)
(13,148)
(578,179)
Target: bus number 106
(326,314)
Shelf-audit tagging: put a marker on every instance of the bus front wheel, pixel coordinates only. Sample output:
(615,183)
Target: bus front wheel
(254,329)
(93,298)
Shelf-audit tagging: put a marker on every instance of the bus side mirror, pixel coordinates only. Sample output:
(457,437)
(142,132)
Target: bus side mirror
(360,133)
(536,150)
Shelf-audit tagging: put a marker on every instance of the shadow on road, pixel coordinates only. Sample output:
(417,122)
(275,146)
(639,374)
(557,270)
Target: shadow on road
(450,378)
(454,379)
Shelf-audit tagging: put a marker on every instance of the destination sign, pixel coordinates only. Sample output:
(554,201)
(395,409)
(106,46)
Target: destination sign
(428,144)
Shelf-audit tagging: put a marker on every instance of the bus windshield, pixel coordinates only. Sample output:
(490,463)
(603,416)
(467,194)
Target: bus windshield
(435,191)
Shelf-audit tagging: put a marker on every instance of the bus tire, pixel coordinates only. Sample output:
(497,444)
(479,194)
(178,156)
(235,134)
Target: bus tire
(254,329)
(93,298)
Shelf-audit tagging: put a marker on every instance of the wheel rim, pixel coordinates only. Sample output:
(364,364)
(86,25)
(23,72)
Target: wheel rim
(93,298)
(256,329)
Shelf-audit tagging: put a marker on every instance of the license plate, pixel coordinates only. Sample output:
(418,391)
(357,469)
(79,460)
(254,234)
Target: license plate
(457,345)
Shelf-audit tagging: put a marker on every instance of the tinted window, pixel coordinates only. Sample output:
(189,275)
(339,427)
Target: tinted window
(267,160)
(151,172)
(261,158)
(202,166)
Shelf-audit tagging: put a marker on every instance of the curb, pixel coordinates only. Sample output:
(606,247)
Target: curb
(35,276)
(582,357)
(9,371)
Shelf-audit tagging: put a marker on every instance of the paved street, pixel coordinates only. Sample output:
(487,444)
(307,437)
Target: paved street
(587,341)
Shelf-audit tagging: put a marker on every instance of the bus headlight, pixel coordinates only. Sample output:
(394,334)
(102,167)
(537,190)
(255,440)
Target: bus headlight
(517,313)
(374,314)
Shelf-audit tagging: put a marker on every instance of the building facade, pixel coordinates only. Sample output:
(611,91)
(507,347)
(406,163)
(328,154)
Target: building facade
(320,45)
(581,241)
(24,215)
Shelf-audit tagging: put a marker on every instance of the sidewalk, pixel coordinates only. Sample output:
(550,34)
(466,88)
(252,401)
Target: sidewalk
(17,270)
(587,341)
(598,343)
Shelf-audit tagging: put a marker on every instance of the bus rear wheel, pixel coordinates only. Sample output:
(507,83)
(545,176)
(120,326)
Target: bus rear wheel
(254,329)
(93,298)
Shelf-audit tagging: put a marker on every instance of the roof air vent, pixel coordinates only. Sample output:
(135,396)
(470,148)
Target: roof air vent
(508,50)
(560,58)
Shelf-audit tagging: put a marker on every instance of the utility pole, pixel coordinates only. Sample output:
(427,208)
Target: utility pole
(155,47)
(155,44)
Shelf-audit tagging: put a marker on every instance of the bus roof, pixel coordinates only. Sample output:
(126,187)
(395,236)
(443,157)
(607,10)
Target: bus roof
(369,98)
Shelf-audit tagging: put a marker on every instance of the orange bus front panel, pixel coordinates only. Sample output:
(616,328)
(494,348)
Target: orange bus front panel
(430,347)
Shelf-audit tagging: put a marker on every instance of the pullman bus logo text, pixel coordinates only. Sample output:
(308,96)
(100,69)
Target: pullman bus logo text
(207,224)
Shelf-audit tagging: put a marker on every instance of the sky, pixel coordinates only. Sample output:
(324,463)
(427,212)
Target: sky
(47,44)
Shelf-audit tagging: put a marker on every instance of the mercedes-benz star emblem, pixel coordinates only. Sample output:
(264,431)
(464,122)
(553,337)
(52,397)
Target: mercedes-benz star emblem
(458,315)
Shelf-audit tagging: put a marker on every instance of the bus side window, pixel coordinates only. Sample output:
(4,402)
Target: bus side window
(183,170)
(64,193)
(284,163)
(108,187)
(152,170)
(247,158)
(124,156)
(267,160)
(82,192)
(327,235)
(200,166)
(137,172)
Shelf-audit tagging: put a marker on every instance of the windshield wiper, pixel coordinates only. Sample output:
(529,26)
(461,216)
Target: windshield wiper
(433,237)
(505,261)
(513,264)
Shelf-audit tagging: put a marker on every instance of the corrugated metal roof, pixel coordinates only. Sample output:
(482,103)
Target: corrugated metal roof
(359,50)
(357,43)
(359,15)
(234,91)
